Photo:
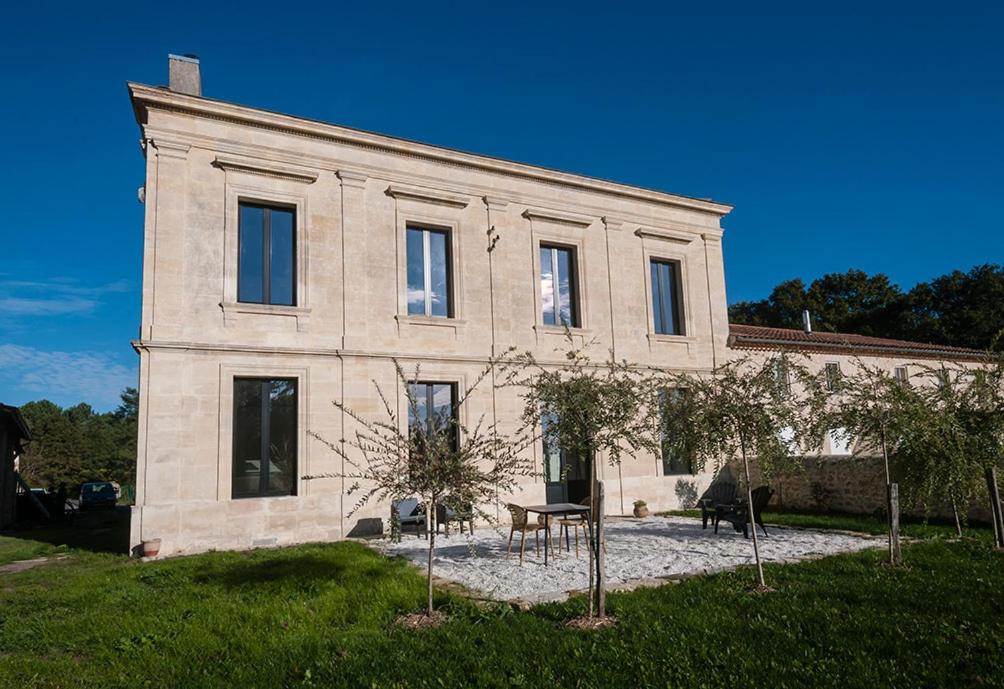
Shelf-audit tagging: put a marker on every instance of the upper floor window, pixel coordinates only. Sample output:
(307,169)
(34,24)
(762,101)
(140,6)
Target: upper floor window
(265,437)
(429,280)
(266,273)
(833,376)
(901,374)
(558,296)
(666,303)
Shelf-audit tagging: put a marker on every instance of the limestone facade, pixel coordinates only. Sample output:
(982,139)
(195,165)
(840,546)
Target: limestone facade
(353,195)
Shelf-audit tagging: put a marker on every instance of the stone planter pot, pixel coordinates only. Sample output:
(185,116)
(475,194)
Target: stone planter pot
(641,511)
(151,547)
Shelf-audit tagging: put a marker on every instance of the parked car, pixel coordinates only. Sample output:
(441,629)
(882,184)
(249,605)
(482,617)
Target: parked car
(97,495)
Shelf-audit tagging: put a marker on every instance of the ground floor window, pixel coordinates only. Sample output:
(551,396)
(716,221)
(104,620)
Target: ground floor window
(675,459)
(265,437)
(432,410)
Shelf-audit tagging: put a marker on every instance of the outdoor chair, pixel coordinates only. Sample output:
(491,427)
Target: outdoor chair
(521,524)
(445,515)
(573,522)
(718,493)
(408,512)
(739,514)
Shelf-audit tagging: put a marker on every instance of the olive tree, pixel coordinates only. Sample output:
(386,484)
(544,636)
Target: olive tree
(430,454)
(878,411)
(592,408)
(770,409)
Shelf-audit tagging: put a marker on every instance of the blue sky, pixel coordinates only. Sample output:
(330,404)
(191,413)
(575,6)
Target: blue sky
(855,135)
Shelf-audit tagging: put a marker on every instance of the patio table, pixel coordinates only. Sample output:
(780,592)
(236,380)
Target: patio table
(558,509)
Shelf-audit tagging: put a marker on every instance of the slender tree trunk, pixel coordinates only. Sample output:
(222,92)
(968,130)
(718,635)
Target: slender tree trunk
(592,531)
(890,513)
(958,522)
(601,594)
(749,503)
(431,527)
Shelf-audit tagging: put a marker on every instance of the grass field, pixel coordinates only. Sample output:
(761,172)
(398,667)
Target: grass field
(322,615)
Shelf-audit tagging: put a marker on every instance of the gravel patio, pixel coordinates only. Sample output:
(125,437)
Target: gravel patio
(638,551)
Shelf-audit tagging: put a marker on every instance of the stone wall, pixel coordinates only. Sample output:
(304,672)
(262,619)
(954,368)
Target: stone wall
(854,485)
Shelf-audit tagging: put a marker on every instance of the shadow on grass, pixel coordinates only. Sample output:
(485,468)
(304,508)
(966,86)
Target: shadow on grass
(97,532)
(299,571)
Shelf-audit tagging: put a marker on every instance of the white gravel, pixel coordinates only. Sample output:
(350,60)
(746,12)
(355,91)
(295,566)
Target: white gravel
(637,550)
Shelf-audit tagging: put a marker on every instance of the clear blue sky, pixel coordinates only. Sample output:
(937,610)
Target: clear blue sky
(863,135)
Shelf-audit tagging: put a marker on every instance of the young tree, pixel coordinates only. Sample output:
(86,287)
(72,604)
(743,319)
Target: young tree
(959,437)
(878,411)
(431,455)
(592,408)
(744,409)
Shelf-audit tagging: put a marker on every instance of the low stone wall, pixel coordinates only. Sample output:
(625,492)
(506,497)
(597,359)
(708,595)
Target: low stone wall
(846,484)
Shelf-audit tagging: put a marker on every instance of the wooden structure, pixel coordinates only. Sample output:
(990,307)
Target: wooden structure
(13,434)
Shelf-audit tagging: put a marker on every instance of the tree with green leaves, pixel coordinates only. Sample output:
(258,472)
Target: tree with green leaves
(430,454)
(593,409)
(959,437)
(878,411)
(772,410)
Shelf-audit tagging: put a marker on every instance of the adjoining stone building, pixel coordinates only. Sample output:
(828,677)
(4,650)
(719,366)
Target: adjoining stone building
(288,262)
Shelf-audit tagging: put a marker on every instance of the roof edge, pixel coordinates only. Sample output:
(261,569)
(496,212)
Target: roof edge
(146,96)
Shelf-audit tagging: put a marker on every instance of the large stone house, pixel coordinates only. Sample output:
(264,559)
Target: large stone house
(289,262)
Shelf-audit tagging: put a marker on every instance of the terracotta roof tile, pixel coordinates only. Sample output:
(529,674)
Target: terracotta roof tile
(762,337)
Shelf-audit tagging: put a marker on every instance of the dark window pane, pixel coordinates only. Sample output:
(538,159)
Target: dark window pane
(416,271)
(247,437)
(250,271)
(281,270)
(566,305)
(657,299)
(547,298)
(265,437)
(432,410)
(282,438)
(552,449)
(439,293)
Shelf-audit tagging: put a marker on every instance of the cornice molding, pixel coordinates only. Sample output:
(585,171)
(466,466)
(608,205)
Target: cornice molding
(266,168)
(612,224)
(446,198)
(171,149)
(665,235)
(146,97)
(351,178)
(558,216)
(495,203)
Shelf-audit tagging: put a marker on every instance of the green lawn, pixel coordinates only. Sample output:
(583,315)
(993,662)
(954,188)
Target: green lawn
(321,615)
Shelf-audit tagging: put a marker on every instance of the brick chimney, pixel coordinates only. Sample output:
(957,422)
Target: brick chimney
(183,73)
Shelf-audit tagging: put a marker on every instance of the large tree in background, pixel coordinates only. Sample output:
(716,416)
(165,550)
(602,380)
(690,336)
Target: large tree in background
(77,444)
(960,309)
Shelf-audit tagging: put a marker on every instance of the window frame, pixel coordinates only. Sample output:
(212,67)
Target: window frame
(429,397)
(575,309)
(832,383)
(905,378)
(266,277)
(664,461)
(449,234)
(264,459)
(675,300)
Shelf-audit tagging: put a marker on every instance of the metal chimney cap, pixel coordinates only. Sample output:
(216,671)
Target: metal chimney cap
(806,322)
(187,57)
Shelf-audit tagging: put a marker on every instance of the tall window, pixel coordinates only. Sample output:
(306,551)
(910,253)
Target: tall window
(782,376)
(432,410)
(264,437)
(557,286)
(429,281)
(675,460)
(666,303)
(266,272)
(833,376)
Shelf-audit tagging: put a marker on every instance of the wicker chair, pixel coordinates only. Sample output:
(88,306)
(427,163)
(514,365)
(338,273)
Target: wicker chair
(521,524)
